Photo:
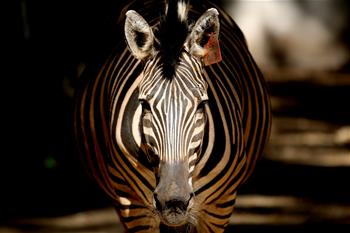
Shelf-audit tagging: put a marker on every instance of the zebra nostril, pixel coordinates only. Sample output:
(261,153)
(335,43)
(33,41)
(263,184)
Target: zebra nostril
(177,204)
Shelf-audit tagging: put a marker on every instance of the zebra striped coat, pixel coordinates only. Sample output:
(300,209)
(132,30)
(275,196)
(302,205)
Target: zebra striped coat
(168,138)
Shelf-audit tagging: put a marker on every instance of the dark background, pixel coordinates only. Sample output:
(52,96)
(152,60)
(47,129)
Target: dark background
(47,40)
(47,45)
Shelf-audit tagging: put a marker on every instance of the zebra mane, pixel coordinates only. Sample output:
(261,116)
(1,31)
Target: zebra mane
(171,35)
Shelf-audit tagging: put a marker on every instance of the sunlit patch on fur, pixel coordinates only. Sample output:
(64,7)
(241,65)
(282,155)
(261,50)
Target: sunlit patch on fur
(124,201)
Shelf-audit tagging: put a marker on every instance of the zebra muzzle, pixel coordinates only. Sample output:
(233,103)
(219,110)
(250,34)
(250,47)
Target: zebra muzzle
(174,204)
(173,212)
(173,195)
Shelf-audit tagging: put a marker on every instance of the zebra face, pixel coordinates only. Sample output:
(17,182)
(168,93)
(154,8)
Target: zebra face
(172,125)
(174,107)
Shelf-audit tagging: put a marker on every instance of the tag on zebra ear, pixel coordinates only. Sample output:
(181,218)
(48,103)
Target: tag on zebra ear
(203,40)
(139,35)
(213,54)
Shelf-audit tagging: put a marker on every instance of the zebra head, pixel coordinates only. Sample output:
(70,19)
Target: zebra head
(173,96)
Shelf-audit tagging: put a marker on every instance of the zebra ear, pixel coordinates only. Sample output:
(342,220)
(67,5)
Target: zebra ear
(139,35)
(207,25)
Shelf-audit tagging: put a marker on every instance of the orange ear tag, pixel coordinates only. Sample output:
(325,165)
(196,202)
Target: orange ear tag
(214,53)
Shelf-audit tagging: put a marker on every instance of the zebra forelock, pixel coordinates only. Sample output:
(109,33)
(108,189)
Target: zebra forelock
(171,35)
(182,10)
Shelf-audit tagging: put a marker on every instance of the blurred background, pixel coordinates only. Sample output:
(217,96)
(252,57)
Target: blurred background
(301,184)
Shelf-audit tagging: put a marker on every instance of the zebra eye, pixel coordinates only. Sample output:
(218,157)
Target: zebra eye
(145,106)
(201,106)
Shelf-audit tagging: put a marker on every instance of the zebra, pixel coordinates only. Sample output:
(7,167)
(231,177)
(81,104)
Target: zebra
(175,119)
